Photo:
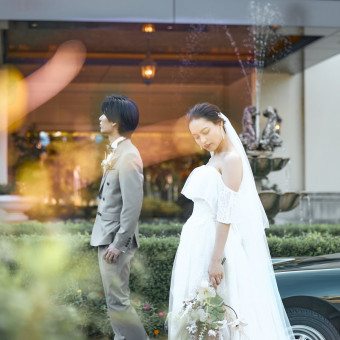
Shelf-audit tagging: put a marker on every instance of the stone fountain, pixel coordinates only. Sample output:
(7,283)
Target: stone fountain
(259,149)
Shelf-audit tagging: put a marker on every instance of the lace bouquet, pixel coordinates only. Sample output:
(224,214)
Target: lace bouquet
(206,316)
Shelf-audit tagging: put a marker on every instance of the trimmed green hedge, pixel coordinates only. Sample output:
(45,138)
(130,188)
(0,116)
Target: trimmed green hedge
(53,268)
(158,229)
(151,268)
(45,228)
(156,207)
(311,244)
(174,229)
(300,230)
(152,264)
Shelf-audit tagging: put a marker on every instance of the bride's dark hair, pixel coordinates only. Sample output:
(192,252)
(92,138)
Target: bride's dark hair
(205,110)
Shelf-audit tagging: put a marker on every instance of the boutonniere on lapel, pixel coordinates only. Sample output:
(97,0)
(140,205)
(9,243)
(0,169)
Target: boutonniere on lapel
(109,160)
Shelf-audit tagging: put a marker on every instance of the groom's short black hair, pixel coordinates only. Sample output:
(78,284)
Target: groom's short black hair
(122,110)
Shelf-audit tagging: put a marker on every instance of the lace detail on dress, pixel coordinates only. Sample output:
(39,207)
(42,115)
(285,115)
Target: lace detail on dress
(227,206)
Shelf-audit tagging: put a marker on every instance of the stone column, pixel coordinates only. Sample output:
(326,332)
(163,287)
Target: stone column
(3,113)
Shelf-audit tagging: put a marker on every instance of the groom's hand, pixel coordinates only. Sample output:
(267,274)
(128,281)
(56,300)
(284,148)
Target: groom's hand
(111,254)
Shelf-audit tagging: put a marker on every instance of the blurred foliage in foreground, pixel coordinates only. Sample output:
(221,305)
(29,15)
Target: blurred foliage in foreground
(31,269)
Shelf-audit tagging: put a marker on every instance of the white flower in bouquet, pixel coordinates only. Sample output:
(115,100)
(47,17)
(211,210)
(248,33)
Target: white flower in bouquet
(206,315)
(236,327)
(205,291)
(203,316)
(237,323)
(192,329)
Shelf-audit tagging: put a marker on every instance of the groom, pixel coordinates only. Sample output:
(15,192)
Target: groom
(115,230)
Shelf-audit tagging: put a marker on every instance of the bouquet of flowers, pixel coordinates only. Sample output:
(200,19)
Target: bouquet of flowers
(206,316)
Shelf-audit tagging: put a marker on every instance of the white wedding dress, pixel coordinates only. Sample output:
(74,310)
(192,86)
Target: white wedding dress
(249,285)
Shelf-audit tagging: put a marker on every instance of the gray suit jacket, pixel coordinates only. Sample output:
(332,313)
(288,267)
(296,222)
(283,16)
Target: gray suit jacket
(120,200)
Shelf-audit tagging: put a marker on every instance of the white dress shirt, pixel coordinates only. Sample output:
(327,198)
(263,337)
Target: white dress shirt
(115,143)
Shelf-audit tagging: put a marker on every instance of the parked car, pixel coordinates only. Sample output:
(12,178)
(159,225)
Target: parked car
(310,291)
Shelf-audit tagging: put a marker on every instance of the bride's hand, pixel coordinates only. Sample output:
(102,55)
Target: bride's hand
(215,272)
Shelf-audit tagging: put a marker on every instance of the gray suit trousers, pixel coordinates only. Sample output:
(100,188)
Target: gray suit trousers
(115,276)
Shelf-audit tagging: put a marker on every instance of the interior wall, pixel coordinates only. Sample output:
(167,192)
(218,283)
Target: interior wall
(77,107)
(236,97)
(162,133)
(322,102)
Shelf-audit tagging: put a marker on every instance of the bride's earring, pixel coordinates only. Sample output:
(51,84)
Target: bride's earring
(222,130)
(201,147)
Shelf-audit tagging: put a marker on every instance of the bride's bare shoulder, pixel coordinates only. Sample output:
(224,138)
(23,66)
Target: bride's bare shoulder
(231,159)
(231,168)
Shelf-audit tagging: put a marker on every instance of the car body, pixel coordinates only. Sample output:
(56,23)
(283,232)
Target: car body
(310,291)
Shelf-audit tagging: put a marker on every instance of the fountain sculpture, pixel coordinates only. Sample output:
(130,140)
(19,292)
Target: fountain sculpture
(259,150)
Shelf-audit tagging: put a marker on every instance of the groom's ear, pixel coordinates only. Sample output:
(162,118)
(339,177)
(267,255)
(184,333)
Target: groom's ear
(115,125)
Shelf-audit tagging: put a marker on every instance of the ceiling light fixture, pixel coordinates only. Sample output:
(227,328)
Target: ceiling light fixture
(148,28)
(148,65)
(148,69)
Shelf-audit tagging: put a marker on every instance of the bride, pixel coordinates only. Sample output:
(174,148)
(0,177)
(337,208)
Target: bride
(227,222)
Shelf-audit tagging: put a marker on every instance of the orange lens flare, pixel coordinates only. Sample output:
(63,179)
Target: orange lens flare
(21,96)
(164,140)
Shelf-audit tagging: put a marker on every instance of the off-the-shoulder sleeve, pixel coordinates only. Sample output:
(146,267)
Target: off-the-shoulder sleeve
(228,209)
(201,186)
